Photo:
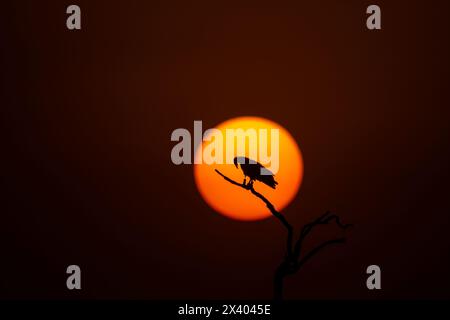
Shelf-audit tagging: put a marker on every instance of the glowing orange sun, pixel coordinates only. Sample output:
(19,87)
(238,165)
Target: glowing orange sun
(240,204)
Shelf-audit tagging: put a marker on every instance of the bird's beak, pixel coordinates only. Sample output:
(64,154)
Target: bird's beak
(236,163)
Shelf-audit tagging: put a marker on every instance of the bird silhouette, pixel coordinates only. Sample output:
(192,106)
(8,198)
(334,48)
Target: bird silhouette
(255,171)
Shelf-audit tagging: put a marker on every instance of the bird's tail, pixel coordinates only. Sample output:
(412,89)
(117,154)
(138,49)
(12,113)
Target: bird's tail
(273,184)
(269,180)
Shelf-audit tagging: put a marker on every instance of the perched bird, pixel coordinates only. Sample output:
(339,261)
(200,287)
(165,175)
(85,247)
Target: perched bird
(255,171)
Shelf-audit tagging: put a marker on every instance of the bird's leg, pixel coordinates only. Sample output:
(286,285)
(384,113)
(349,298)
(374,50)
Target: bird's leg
(245,181)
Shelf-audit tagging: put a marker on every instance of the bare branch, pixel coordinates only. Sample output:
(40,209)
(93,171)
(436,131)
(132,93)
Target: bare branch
(322,220)
(269,205)
(316,250)
(232,181)
(293,260)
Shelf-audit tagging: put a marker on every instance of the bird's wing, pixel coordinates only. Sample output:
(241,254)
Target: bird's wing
(268,180)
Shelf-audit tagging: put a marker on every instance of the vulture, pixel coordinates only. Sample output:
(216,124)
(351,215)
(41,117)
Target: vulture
(254,171)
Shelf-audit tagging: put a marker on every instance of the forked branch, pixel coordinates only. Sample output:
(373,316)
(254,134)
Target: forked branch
(294,259)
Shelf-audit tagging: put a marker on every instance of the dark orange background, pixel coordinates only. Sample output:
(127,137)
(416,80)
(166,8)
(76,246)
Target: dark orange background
(86,119)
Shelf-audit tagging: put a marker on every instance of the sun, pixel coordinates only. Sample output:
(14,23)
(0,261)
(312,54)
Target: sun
(237,203)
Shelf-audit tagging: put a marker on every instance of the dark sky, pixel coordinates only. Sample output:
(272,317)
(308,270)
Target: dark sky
(86,118)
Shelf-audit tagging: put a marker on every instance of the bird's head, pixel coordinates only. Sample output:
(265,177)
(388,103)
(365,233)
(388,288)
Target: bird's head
(242,160)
